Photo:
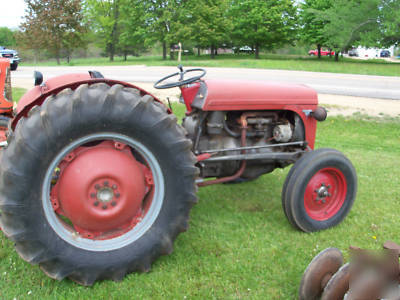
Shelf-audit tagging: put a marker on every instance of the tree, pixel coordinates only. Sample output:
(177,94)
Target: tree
(6,37)
(312,27)
(263,23)
(53,25)
(386,33)
(347,21)
(133,29)
(103,16)
(163,21)
(206,23)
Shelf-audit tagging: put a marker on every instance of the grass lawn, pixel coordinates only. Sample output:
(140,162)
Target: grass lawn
(240,244)
(17,93)
(284,62)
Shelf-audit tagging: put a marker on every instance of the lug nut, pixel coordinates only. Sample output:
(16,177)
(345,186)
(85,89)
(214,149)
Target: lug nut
(96,203)
(114,187)
(117,195)
(104,206)
(105,183)
(113,203)
(97,186)
(93,195)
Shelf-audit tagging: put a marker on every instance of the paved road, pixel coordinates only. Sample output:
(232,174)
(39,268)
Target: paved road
(382,87)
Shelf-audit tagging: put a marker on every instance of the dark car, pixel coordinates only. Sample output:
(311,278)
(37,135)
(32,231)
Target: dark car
(385,53)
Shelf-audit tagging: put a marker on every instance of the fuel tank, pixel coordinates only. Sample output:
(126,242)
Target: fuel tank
(240,95)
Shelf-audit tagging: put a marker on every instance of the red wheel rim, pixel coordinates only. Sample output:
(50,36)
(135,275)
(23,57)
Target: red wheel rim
(102,191)
(325,194)
(3,131)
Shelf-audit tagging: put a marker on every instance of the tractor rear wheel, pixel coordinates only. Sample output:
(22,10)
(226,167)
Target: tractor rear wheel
(319,190)
(96,183)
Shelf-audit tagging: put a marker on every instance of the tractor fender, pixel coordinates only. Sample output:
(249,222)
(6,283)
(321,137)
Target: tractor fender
(37,95)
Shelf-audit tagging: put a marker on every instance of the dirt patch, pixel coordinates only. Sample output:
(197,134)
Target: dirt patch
(347,106)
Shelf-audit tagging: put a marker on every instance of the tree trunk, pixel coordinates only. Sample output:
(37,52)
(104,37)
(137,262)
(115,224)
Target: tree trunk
(125,55)
(257,51)
(319,51)
(171,52)
(216,51)
(58,57)
(198,51)
(112,51)
(68,55)
(164,50)
(336,56)
(114,30)
(212,52)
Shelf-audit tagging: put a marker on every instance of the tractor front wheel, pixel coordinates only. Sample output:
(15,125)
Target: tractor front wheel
(96,183)
(319,190)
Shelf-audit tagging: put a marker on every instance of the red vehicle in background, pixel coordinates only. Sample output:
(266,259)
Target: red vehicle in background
(323,52)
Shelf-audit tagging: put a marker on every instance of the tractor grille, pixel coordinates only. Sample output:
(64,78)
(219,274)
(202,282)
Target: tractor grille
(8,55)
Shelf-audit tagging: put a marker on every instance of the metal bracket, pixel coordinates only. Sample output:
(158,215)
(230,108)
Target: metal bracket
(307,112)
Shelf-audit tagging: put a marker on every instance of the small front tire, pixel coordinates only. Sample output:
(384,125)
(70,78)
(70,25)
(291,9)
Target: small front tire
(319,190)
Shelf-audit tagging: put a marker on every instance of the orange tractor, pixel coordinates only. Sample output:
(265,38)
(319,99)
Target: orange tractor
(6,104)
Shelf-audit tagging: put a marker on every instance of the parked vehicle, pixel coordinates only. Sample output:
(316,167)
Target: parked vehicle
(244,49)
(385,53)
(353,52)
(98,178)
(323,52)
(11,55)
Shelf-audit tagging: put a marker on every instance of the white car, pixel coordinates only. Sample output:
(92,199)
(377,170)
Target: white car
(12,55)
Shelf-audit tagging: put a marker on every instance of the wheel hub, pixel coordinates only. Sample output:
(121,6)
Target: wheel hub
(325,194)
(105,195)
(101,189)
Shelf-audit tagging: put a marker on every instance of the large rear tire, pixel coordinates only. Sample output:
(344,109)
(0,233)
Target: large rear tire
(96,183)
(319,190)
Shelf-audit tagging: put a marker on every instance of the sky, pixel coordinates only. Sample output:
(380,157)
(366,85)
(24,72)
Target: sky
(11,13)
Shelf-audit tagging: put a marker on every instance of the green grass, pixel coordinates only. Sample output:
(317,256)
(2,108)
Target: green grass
(271,61)
(240,244)
(17,93)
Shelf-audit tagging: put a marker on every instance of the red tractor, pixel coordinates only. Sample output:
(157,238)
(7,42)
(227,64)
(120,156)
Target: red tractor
(6,104)
(98,178)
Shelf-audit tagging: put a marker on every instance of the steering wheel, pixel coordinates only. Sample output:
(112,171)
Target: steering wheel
(180,81)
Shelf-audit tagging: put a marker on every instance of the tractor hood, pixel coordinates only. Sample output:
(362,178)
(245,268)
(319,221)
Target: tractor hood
(228,95)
